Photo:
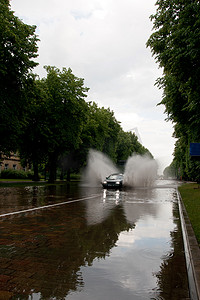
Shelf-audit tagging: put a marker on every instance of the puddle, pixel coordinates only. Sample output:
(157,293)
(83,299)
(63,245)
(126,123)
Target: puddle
(119,245)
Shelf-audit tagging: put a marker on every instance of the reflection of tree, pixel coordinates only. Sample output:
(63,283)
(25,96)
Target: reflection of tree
(101,237)
(18,198)
(172,278)
(43,253)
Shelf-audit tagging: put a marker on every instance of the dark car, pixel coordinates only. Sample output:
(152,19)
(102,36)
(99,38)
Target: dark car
(113,181)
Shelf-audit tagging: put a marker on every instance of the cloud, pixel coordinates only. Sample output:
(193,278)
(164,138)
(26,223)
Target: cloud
(104,42)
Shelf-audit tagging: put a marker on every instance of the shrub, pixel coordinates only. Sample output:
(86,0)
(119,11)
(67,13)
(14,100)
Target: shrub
(16,174)
(30,175)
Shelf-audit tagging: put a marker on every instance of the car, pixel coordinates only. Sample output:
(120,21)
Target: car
(113,181)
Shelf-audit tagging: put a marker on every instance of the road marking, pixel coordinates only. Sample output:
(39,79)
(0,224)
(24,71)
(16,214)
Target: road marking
(48,206)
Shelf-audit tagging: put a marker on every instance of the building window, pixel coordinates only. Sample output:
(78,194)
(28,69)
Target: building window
(14,167)
(6,167)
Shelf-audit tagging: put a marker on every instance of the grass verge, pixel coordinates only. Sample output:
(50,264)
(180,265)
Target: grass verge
(190,194)
(26,182)
(18,182)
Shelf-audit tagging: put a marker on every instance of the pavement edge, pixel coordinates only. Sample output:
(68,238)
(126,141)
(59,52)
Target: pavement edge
(192,251)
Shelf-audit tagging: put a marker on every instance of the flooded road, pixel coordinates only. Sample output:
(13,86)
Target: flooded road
(71,242)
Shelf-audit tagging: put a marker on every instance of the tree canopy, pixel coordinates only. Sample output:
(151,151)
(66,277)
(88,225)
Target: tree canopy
(175,44)
(48,120)
(54,117)
(18,48)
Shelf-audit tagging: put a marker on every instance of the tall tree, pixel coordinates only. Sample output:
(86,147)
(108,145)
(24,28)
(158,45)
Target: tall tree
(101,130)
(34,136)
(176,47)
(128,144)
(175,44)
(18,48)
(67,111)
(55,114)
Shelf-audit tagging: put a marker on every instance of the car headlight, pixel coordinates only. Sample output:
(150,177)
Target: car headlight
(117,182)
(105,182)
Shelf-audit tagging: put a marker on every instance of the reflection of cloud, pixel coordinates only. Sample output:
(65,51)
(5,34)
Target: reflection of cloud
(138,253)
(129,269)
(97,211)
(149,227)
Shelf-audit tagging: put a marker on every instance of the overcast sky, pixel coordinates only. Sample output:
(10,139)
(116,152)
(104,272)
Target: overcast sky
(104,42)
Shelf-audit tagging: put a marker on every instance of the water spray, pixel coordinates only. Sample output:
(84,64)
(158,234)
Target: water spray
(98,167)
(140,171)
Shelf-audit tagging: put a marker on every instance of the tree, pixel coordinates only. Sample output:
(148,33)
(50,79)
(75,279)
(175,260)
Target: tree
(54,118)
(128,144)
(101,130)
(175,44)
(170,171)
(67,112)
(176,47)
(124,147)
(18,46)
(113,129)
(33,139)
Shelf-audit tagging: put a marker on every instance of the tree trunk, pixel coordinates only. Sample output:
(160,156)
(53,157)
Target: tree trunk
(35,169)
(62,174)
(68,175)
(52,167)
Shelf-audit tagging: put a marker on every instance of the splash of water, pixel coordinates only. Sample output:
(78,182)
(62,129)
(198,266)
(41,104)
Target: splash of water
(140,171)
(98,167)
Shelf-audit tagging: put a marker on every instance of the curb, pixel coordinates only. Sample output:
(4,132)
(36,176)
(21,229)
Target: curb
(192,251)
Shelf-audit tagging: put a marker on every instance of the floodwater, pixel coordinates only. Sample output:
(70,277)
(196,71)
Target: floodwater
(95,244)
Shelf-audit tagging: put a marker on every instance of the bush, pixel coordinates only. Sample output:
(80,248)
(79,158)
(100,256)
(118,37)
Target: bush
(30,175)
(16,174)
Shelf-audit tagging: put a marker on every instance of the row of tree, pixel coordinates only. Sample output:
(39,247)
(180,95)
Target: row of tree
(48,120)
(175,43)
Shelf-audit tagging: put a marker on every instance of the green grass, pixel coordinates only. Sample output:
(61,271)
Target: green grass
(27,182)
(190,194)
(14,180)
(18,182)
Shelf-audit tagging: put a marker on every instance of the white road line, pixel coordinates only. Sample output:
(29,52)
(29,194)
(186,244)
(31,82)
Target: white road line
(48,206)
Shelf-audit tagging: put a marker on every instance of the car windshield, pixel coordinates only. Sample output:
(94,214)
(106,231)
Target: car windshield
(115,177)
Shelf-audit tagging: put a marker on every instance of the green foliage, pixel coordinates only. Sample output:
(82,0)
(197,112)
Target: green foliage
(16,174)
(125,146)
(48,120)
(66,108)
(190,194)
(101,130)
(60,127)
(175,44)
(128,144)
(54,118)
(67,112)
(34,135)
(18,46)
(171,171)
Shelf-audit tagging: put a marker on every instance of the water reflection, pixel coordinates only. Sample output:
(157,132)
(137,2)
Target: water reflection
(120,245)
(20,198)
(172,280)
(138,267)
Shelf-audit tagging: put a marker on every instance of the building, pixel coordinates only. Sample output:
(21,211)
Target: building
(10,162)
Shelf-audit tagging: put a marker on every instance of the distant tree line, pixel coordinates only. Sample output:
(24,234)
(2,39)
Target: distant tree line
(48,120)
(175,43)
